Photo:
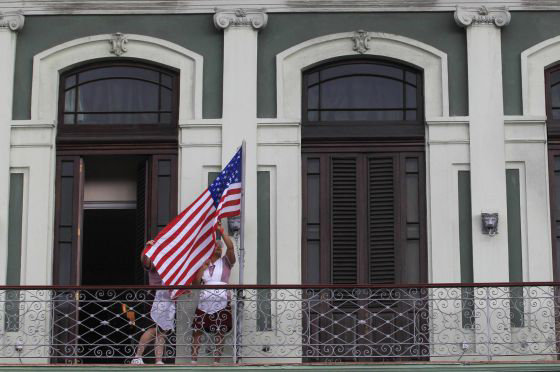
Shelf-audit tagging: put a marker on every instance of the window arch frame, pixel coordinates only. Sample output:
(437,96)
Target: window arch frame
(118,133)
(413,130)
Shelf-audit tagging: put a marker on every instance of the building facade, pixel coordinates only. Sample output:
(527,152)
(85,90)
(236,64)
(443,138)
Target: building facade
(378,134)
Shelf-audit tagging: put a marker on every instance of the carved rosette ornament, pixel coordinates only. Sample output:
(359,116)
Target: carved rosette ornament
(14,22)
(255,18)
(467,16)
(118,44)
(361,41)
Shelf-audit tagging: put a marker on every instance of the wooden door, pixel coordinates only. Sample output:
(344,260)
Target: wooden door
(67,249)
(364,223)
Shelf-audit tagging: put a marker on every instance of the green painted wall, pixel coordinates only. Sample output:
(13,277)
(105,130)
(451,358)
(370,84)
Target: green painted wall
(525,30)
(194,32)
(436,29)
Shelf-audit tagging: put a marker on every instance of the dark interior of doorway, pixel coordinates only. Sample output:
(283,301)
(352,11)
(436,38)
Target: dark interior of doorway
(109,247)
(111,241)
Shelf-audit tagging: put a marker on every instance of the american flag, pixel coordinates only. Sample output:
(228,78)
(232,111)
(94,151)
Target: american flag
(188,241)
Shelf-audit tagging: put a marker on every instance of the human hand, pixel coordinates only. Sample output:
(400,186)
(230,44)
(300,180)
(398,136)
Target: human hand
(220,228)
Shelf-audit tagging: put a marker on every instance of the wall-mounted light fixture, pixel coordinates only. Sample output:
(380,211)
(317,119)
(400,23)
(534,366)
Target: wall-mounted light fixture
(489,223)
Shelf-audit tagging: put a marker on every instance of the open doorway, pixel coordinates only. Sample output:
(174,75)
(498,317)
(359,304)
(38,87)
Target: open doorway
(114,221)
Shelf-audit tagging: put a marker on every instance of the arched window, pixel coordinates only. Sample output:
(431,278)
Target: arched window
(362,90)
(118,96)
(553,100)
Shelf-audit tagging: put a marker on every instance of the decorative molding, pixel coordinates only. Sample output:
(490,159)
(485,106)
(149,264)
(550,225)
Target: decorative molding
(13,22)
(291,62)
(40,7)
(48,64)
(119,43)
(361,41)
(533,63)
(256,18)
(467,16)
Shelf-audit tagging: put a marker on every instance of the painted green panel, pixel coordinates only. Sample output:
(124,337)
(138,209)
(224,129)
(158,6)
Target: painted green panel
(436,29)
(466,248)
(263,228)
(15,219)
(195,32)
(264,320)
(465,227)
(513,194)
(15,213)
(525,30)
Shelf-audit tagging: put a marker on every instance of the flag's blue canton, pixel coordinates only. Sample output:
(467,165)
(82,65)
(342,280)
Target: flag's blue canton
(230,174)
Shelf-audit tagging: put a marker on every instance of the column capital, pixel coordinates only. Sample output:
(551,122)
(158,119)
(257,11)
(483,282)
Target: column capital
(468,16)
(13,22)
(255,18)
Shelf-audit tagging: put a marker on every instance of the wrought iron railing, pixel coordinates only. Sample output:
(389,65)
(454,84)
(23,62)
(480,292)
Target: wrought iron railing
(283,323)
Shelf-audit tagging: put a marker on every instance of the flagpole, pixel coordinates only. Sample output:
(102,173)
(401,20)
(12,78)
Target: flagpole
(242,217)
(239,293)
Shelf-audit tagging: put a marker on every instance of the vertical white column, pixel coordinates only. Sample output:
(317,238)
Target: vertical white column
(9,25)
(239,121)
(487,147)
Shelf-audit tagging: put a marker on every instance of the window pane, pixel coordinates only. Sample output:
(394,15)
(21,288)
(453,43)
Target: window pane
(70,81)
(166,80)
(555,96)
(556,114)
(361,69)
(69,119)
(361,92)
(70,100)
(116,118)
(361,115)
(166,99)
(119,71)
(554,78)
(411,115)
(313,97)
(312,116)
(118,95)
(410,96)
(411,77)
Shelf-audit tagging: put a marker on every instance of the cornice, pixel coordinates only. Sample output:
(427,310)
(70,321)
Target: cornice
(52,7)
(12,22)
(240,17)
(482,15)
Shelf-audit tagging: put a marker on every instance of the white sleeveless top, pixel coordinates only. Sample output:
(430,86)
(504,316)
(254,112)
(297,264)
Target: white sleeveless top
(213,300)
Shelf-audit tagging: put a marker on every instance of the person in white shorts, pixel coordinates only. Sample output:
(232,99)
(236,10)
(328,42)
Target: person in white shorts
(162,314)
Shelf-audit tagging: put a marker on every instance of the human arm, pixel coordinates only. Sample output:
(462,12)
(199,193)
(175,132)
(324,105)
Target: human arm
(198,277)
(230,251)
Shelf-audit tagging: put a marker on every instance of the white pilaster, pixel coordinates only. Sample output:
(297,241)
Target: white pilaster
(239,122)
(487,148)
(9,25)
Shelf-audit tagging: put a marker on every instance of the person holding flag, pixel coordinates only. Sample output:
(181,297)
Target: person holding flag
(213,314)
(188,242)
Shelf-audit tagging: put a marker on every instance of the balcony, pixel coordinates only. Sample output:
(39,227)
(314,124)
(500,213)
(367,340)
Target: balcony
(289,324)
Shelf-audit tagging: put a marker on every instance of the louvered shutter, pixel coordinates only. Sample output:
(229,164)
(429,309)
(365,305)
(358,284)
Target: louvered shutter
(382,219)
(344,220)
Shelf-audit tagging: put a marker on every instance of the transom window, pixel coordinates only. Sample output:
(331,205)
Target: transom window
(362,90)
(112,93)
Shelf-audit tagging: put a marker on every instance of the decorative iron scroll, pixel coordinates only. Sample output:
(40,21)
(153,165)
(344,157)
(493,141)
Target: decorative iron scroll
(323,324)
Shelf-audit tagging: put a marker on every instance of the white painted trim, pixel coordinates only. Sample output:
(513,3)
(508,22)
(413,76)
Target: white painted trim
(38,7)
(48,64)
(291,62)
(533,63)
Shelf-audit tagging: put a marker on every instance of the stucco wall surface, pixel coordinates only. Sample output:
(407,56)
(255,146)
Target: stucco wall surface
(194,32)
(436,29)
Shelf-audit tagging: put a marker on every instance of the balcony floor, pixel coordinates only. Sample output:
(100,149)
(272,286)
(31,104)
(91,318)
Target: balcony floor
(393,367)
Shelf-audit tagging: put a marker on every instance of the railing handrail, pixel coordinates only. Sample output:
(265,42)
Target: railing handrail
(286,286)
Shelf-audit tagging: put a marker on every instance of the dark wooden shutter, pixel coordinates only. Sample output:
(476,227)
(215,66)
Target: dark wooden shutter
(163,192)
(68,220)
(67,256)
(344,220)
(382,219)
(140,276)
